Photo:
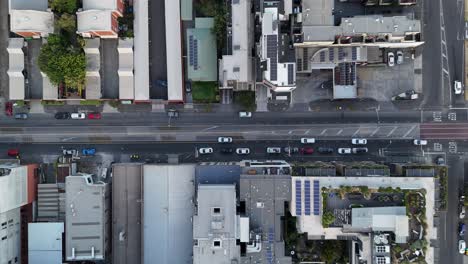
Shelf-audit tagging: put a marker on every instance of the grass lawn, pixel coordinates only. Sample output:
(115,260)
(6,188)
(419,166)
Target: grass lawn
(205,92)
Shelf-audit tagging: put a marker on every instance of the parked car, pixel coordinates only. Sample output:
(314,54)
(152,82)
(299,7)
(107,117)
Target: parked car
(62,115)
(172,113)
(325,150)
(134,157)
(306,151)
(461,246)
(78,116)
(21,116)
(9,108)
(462,213)
(70,152)
(188,87)
(227,150)
(344,151)
(88,151)
(94,116)
(307,140)
(440,161)
(399,55)
(13,152)
(273,150)
(243,151)
(457,87)
(420,142)
(205,150)
(359,150)
(224,139)
(391,59)
(408,95)
(291,150)
(359,141)
(461,229)
(245,114)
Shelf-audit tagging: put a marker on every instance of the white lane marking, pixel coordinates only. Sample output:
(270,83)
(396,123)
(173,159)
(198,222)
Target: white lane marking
(209,128)
(323,132)
(307,132)
(375,131)
(339,132)
(357,131)
(391,132)
(290,132)
(409,131)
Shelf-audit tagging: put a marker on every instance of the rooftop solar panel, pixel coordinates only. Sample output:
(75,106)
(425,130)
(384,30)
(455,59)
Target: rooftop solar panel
(340,54)
(272,54)
(290,73)
(298,198)
(316,197)
(354,53)
(331,54)
(307,197)
(322,56)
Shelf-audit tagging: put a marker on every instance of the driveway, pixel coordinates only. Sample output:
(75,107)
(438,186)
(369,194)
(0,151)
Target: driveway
(34,86)
(109,68)
(4,32)
(157,49)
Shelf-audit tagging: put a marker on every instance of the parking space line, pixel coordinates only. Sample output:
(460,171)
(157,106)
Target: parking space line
(355,133)
(323,132)
(375,131)
(339,132)
(391,132)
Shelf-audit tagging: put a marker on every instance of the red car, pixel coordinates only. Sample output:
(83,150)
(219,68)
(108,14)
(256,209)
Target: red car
(9,108)
(306,150)
(13,152)
(94,116)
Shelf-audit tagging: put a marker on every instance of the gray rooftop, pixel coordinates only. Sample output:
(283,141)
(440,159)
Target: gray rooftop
(215,225)
(317,12)
(39,5)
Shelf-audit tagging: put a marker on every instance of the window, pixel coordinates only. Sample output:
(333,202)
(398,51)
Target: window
(217,243)
(216,210)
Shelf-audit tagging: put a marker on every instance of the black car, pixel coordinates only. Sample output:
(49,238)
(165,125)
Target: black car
(62,115)
(360,150)
(324,150)
(227,150)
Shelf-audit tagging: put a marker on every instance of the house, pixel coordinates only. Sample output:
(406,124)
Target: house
(31,19)
(201,49)
(99,18)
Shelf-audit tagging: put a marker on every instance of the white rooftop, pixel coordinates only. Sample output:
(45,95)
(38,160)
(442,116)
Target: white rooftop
(15,68)
(100,5)
(32,21)
(94,20)
(49,91)
(93,65)
(141,56)
(125,72)
(38,5)
(174,51)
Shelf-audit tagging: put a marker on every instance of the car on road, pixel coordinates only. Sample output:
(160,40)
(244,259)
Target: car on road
(224,139)
(360,150)
(94,116)
(344,151)
(227,150)
(21,116)
(273,150)
(205,150)
(306,151)
(440,161)
(457,87)
(134,157)
(243,151)
(391,59)
(461,246)
(408,95)
(291,150)
(325,150)
(172,113)
(188,87)
(461,229)
(359,141)
(462,213)
(13,152)
(88,151)
(78,116)
(245,114)
(9,108)
(70,152)
(399,55)
(307,140)
(420,142)
(62,115)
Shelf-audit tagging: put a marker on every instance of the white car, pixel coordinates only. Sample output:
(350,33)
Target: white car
(391,59)
(70,152)
(399,55)
(273,150)
(461,246)
(242,151)
(344,151)
(359,141)
(245,114)
(224,139)
(457,87)
(205,150)
(78,116)
(462,213)
(420,142)
(307,140)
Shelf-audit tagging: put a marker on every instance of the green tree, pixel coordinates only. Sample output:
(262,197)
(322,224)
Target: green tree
(327,218)
(64,6)
(67,23)
(246,99)
(219,27)
(331,251)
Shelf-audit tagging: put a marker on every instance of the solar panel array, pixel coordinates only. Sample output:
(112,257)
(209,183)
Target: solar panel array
(270,241)
(193,52)
(306,59)
(331,54)
(290,73)
(298,198)
(316,197)
(272,54)
(322,56)
(354,53)
(307,197)
(341,54)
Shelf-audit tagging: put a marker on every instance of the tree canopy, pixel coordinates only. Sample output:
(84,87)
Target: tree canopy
(64,6)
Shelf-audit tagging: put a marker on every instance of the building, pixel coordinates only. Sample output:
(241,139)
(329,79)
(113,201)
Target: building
(236,69)
(99,18)
(93,65)
(45,243)
(168,195)
(381,219)
(87,218)
(125,72)
(201,47)
(175,83)
(31,19)
(215,225)
(278,66)
(15,69)
(126,213)
(17,194)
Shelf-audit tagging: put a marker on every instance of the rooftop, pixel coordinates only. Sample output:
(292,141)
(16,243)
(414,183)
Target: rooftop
(100,5)
(201,49)
(125,72)
(317,12)
(39,5)
(93,65)
(94,20)
(41,22)
(15,69)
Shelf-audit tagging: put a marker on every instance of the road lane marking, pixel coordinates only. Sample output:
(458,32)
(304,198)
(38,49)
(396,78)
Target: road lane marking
(391,132)
(375,131)
(357,131)
(409,131)
(339,132)
(323,132)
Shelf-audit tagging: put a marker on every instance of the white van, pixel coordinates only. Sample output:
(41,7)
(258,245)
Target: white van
(457,87)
